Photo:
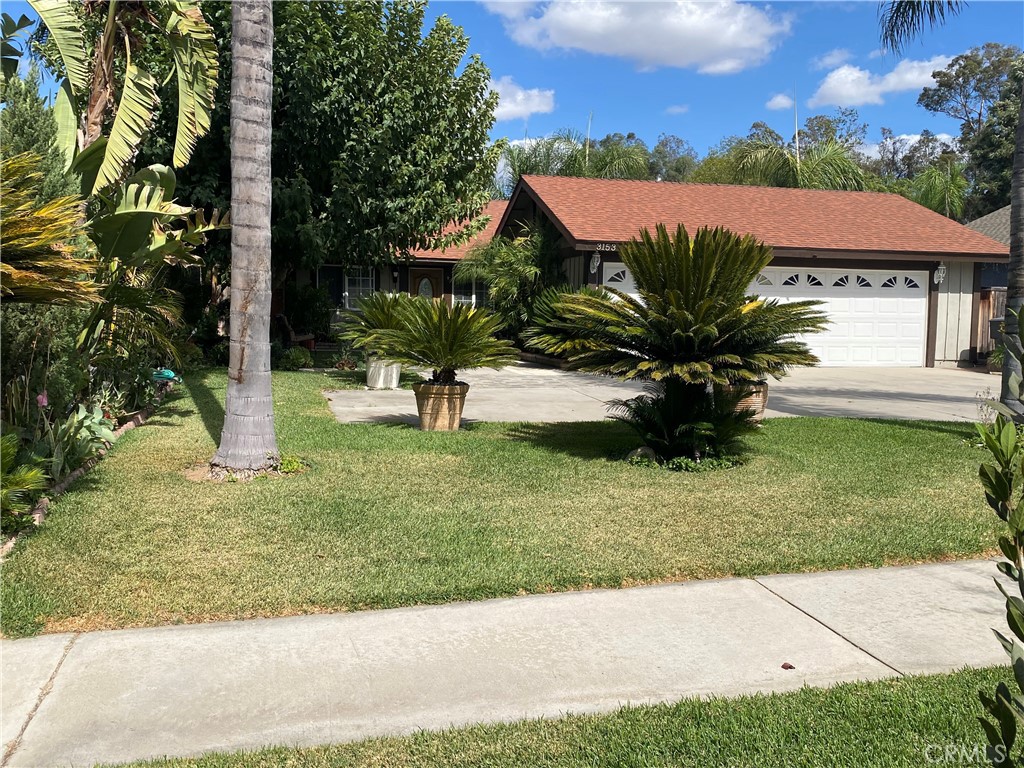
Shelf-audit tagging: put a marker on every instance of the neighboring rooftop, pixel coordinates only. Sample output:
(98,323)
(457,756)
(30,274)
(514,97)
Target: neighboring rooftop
(995,225)
(605,210)
(494,209)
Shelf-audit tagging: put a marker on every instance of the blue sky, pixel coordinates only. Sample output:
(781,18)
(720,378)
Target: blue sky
(706,70)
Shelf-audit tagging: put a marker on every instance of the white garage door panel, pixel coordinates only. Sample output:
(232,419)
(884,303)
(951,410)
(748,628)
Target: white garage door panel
(877,317)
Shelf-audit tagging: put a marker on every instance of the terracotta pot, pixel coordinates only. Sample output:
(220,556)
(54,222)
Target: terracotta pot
(382,374)
(440,405)
(756,401)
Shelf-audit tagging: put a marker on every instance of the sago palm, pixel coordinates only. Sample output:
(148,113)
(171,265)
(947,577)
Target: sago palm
(826,165)
(18,482)
(446,339)
(693,319)
(40,260)
(377,312)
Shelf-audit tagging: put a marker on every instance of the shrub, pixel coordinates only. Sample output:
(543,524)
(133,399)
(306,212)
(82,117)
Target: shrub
(19,484)
(309,309)
(445,338)
(295,358)
(692,329)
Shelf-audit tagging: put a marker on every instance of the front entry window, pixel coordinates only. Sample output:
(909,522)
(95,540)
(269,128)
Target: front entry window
(425,288)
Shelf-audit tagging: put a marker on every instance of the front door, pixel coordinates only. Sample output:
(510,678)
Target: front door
(426,283)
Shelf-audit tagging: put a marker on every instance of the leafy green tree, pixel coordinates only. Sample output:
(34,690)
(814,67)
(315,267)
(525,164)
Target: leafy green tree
(990,150)
(672,159)
(968,87)
(826,165)
(377,147)
(27,125)
(691,327)
(721,164)
(942,188)
(844,128)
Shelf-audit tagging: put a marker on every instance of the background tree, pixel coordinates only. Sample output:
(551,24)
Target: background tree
(969,85)
(942,188)
(990,150)
(901,21)
(248,442)
(671,159)
(826,165)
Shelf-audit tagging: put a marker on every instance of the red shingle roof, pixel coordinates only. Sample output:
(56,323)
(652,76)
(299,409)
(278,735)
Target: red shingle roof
(494,209)
(604,210)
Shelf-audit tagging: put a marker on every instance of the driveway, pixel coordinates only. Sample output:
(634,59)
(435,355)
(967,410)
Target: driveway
(527,392)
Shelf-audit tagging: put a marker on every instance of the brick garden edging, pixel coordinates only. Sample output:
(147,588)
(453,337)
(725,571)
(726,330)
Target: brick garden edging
(38,512)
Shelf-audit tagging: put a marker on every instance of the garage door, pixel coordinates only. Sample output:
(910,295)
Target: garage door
(878,317)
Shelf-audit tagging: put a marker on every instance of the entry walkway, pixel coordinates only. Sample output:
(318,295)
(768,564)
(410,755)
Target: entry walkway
(131,694)
(526,392)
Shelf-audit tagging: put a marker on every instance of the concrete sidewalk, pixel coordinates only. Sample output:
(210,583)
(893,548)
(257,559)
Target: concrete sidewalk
(184,690)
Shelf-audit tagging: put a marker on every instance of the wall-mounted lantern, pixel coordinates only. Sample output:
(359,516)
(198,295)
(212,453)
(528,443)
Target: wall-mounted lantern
(940,273)
(595,262)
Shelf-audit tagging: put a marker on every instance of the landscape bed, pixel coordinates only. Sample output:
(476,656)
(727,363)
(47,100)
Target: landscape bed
(387,515)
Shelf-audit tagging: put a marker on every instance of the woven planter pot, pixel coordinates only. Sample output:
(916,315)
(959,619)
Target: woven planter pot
(756,401)
(440,405)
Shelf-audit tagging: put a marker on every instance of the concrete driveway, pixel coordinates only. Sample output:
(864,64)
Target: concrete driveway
(527,392)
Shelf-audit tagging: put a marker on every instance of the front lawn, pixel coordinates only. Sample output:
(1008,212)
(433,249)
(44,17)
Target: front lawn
(901,723)
(388,515)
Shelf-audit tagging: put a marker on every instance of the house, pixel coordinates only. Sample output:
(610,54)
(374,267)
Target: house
(992,279)
(899,282)
(428,273)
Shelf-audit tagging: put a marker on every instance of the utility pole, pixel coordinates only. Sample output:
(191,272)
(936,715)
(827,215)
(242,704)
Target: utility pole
(586,147)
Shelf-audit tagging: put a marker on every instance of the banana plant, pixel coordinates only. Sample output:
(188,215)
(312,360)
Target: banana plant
(92,87)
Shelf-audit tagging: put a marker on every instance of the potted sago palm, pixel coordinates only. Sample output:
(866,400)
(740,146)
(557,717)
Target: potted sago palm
(445,339)
(377,312)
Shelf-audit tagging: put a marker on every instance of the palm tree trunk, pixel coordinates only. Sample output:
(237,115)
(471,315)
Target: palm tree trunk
(247,441)
(1015,277)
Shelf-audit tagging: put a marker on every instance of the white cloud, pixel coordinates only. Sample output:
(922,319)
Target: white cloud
(715,38)
(780,101)
(850,86)
(677,109)
(877,53)
(518,103)
(871,148)
(833,58)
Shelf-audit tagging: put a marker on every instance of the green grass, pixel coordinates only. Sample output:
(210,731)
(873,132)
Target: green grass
(356,379)
(887,724)
(387,515)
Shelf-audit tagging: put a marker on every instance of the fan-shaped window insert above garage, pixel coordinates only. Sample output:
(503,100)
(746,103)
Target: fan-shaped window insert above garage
(877,317)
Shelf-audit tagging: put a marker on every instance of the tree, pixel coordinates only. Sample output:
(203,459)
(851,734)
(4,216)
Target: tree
(110,110)
(248,442)
(377,147)
(969,85)
(567,153)
(28,126)
(844,128)
(693,325)
(827,165)
(721,164)
(672,159)
(942,188)
(990,150)
(901,21)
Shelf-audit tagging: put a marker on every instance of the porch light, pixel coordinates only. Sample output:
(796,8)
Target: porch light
(940,273)
(595,262)
(394,274)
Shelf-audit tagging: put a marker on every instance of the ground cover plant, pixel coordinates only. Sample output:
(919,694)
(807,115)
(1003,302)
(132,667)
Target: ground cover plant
(387,515)
(898,723)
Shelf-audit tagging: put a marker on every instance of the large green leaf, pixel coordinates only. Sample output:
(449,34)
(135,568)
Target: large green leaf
(67,123)
(11,30)
(87,164)
(134,116)
(120,231)
(196,66)
(65,28)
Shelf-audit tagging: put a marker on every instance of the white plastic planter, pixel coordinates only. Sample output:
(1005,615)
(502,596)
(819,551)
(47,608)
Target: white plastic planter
(382,374)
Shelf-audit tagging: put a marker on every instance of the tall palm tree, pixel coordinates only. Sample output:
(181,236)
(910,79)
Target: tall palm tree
(248,441)
(826,165)
(943,188)
(901,22)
